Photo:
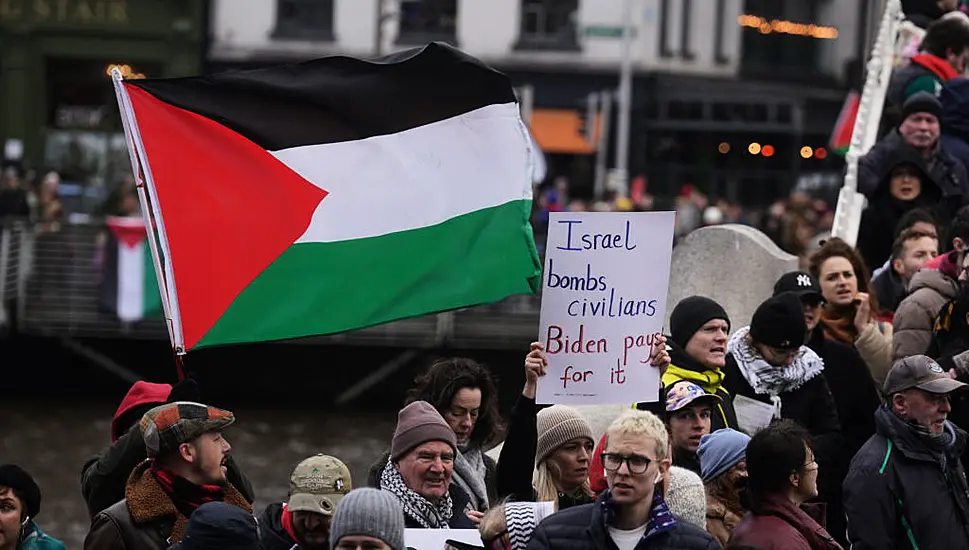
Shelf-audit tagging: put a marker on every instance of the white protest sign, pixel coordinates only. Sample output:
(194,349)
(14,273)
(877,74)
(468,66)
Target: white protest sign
(604,293)
(436,539)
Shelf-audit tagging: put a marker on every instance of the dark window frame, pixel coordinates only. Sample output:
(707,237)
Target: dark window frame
(685,28)
(415,37)
(664,35)
(564,39)
(719,34)
(294,30)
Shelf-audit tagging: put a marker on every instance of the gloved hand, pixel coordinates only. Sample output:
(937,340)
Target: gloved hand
(186,390)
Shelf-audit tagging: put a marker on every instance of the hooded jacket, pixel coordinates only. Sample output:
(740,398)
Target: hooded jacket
(898,490)
(881,217)
(928,292)
(103,477)
(947,172)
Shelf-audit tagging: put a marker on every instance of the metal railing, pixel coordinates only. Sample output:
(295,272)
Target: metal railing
(54,278)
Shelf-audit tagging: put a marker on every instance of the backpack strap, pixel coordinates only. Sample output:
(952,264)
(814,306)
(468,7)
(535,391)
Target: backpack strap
(898,501)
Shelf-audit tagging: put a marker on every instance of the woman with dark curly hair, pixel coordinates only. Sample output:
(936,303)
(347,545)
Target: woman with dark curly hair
(464,392)
(848,315)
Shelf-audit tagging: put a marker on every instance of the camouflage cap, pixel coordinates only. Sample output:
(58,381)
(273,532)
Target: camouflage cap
(166,427)
(318,484)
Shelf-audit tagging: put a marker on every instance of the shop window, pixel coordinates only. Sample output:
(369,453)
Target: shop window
(423,21)
(304,19)
(548,25)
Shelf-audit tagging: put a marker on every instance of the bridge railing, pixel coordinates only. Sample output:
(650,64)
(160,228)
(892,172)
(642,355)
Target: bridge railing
(53,281)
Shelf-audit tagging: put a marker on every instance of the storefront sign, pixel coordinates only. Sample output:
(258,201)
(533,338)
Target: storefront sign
(82,12)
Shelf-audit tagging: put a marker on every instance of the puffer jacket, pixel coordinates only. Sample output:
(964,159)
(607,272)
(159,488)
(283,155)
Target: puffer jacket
(929,290)
(585,528)
(898,491)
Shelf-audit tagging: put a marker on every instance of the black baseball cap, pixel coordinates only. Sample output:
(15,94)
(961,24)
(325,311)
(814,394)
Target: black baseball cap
(801,283)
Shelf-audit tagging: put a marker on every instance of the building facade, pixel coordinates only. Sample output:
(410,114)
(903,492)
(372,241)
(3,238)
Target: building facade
(59,110)
(713,78)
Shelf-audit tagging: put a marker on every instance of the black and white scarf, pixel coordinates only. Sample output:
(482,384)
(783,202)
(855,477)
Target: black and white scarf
(773,380)
(469,474)
(421,510)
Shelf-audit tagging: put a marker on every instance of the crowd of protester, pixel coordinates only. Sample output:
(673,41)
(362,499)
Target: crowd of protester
(834,420)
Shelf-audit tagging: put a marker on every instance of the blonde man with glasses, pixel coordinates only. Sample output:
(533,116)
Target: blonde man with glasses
(632,513)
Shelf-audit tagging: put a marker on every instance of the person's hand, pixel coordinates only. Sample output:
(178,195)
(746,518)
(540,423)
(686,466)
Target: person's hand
(536,364)
(475,517)
(953,374)
(660,358)
(863,314)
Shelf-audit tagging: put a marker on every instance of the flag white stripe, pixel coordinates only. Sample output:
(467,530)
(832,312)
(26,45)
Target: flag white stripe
(419,177)
(131,282)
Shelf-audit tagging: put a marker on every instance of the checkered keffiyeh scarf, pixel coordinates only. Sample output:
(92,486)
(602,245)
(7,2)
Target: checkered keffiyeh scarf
(423,511)
(521,519)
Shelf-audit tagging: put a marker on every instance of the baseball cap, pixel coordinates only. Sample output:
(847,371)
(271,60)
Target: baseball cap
(801,283)
(683,393)
(919,371)
(318,484)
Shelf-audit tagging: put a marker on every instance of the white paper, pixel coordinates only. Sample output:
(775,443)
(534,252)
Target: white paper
(752,415)
(435,539)
(604,291)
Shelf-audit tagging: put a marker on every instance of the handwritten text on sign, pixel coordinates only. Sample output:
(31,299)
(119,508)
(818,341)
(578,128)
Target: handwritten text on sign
(603,301)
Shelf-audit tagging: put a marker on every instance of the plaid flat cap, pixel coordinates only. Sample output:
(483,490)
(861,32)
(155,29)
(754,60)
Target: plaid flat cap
(166,427)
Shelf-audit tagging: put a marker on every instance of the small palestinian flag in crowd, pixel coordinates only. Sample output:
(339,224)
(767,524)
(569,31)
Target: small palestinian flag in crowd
(129,288)
(841,136)
(335,194)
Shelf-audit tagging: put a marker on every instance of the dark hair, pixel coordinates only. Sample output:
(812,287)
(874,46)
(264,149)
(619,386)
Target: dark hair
(910,234)
(445,378)
(773,454)
(944,35)
(914,216)
(836,248)
(960,225)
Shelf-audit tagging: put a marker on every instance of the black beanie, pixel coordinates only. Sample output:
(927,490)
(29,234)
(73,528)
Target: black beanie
(691,314)
(921,102)
(779,322)
(16,478)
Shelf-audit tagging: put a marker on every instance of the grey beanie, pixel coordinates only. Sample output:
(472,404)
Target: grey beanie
(557,425)
(369,512)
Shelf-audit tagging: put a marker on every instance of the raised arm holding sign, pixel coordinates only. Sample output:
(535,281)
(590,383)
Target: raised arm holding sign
(604,298)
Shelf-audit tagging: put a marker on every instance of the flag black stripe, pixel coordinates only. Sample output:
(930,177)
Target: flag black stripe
(108,288)
(339,98)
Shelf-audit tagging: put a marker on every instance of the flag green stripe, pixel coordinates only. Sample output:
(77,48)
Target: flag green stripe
(326,288)
(150,296)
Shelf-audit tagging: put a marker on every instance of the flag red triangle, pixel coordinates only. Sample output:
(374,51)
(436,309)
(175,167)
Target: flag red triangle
(129,231)
(228,206)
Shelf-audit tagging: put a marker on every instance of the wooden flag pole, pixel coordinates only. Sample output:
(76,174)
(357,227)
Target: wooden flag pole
(151,212)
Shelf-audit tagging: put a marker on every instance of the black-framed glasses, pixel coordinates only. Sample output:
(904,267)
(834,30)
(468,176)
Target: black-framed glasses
(636,464)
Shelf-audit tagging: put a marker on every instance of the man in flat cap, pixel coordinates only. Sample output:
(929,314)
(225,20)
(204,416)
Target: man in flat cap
(185,468)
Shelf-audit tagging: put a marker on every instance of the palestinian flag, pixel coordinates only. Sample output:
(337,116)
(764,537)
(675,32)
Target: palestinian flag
(841,136)
(129,287)
(335,194)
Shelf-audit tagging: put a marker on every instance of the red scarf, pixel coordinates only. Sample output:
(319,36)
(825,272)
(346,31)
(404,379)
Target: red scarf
(939,67)
(185,495)
(287,521)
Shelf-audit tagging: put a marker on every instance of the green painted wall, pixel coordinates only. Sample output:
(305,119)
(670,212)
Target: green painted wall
(165,34)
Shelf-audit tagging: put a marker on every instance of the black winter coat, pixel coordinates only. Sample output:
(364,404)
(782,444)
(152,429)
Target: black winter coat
(897,488)
(856,401)
(272,536)
(584,528)
(811,406)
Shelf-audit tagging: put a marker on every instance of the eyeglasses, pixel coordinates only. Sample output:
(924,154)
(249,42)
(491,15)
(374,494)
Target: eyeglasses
(635,463)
